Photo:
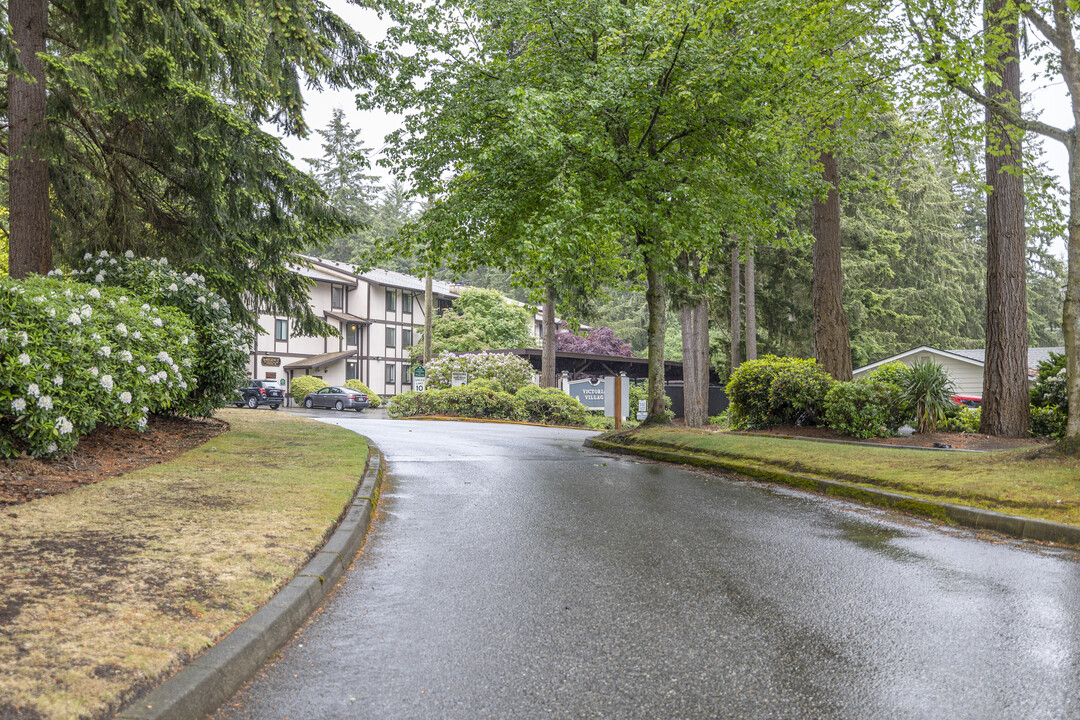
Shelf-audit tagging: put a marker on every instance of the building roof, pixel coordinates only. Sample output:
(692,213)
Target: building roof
(385,277)
(1035,356)
(319,360)
(973,356)
(347,317)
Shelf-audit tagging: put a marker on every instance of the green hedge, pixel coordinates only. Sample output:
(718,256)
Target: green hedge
(299,387)
(458,402)
(551,406)
(865,407)
(74,356)
(373,399)
(777,391)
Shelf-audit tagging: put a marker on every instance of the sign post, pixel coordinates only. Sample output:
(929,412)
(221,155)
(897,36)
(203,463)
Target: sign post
(641,414)
(618,401)
(419,378)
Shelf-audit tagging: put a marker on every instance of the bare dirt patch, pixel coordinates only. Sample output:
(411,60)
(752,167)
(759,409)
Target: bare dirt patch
(104,453)
(955,440)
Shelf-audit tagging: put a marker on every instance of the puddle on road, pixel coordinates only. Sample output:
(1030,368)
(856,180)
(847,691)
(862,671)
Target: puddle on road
(877,538)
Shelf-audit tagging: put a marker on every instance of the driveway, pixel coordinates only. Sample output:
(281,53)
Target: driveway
(513,574)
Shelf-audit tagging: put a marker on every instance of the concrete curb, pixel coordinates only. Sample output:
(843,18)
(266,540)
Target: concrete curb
(963,515)
(211,679)
(835,441)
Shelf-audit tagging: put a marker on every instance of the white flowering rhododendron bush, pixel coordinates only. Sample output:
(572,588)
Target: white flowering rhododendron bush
(74,356)
(510,371)
(108,344)
(222,343)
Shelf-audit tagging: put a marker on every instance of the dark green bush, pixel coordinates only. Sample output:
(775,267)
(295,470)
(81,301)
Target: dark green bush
(464,401)
(777,391)
(965,419)
(865,407)
(551,406)
(1048,422)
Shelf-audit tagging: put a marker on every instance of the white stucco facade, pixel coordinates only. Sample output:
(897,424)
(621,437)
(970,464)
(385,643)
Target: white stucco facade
(379,314)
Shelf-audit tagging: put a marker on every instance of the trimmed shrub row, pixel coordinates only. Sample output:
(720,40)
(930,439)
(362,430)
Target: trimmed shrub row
(484,399)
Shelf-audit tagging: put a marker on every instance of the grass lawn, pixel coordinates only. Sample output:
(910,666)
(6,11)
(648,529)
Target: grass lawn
(1037,484)
(109,587)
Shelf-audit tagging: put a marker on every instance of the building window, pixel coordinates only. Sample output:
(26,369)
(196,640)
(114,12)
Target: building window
(406,373)
(390,368)
(336,293)
(350,371)
(391,301)
(350,334)
(281,330)
(406,337)
(391,337)
(406,303)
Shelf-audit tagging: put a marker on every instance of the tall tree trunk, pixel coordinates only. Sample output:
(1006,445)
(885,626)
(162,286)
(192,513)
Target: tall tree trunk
(1005,400)
(750,301)
(547,353)
(695,342)
(28,170)
(1071,311)
(736,329)
(831,344)
(655,299)
(427,318)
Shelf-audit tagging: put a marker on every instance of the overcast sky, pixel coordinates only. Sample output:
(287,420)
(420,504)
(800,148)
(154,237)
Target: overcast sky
(1051,100)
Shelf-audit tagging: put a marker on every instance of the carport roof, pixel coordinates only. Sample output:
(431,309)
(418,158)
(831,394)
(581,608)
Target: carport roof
(319,360)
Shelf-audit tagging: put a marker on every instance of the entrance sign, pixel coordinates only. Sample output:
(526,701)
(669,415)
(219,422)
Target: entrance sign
(589,393)
(419,372)
(598,394)
(457,379)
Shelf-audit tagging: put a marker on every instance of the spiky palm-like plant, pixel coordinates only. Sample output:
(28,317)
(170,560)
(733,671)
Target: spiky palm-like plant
(929,390)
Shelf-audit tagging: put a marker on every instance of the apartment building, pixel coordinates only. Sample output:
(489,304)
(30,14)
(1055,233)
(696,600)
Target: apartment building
(379,314)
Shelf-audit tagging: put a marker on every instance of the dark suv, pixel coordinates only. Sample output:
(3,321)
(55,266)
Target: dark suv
(260,392)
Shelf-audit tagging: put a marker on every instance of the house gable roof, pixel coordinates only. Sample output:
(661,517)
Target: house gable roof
(976,356)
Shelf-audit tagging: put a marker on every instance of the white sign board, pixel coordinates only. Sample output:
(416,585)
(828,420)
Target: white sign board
(642,415)
(418,384)
(458,378)
(641,406)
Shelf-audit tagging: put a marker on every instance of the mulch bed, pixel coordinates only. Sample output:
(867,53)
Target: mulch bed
(957,440)
(104,453)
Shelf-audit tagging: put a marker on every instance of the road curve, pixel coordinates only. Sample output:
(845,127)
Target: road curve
(513,574)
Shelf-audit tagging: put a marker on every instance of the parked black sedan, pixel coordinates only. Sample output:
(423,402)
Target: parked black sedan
(260,392)
(339,398)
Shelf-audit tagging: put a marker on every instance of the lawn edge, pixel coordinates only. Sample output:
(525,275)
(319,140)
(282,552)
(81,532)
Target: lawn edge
(209,680)
(1033,529)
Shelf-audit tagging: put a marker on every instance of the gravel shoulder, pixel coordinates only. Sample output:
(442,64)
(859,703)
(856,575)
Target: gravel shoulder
(111,587)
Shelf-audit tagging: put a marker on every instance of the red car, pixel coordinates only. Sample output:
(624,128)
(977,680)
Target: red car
(970,401)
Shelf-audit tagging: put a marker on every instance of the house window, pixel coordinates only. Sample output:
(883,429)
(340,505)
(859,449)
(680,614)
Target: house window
(390,369)
(350,334)
(350,371)
(391,337)
(281,330)
(406,303)
(406,373)
(391,301)
(406,337)
(336,293)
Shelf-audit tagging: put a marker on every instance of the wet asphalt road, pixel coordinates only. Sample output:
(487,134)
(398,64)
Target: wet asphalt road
(512,574)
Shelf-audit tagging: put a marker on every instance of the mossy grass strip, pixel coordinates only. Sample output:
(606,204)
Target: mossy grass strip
(995,490)
(115,585)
